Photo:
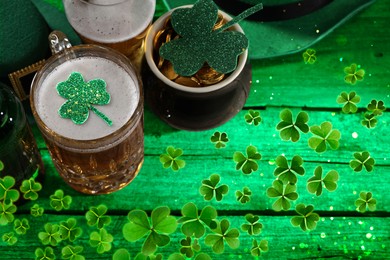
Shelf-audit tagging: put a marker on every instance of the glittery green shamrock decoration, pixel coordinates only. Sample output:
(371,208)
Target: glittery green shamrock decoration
(309,56)
(210,188)
(81,96)
(257,248)
(199,44)
(349,100)
(315,183)
(365,201)
(223,234)
(306,219)
(353,74)
(361,160)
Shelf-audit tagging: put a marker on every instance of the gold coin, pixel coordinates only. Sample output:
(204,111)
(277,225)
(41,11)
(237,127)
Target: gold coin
(209,76)
(168,71)
(220,22)
(188,81)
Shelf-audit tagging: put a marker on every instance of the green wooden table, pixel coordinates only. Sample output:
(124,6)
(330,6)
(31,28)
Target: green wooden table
(342,232)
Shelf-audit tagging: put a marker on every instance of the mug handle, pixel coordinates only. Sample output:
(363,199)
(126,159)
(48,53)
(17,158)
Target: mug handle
(59,42)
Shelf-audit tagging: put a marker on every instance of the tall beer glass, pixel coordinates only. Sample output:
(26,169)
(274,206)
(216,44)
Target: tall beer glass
(119,24)
(93,157)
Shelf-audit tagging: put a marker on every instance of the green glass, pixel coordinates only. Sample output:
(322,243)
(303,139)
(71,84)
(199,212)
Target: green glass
(19,156)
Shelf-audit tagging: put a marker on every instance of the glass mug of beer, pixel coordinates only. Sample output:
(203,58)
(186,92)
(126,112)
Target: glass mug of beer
(105,153)
(183,102)
(119,24)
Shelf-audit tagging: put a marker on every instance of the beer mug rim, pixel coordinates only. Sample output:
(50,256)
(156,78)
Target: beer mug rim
(157,25)
(88,50)
(116,2)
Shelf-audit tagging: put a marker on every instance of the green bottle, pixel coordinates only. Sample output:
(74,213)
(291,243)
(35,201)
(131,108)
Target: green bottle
(19,155)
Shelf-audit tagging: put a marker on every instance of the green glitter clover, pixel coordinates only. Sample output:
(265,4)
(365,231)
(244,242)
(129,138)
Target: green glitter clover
(51,235)
(315,183)
(307,219)
(247,164)
(68,230)
(284,193)
(170,159)
(7,211)
(257,248)
(58,201)
(365,201)
(47,254)
(156,231)
(369,120)
(376,107)
(30,189)
(254,227)
(81,97)
(21,226)
(288,128)
(244,196)
(219,139)
(353,74)
(72,252)
(210,188)
(199,44)
(9,238)
(6,191)
(324,134)
(253,117)
(188,247)
(193,223)
(36,210)
(222,234)
(361,160)
(96,216)
(101,240)
(287,173)
(309,56)
(349,100)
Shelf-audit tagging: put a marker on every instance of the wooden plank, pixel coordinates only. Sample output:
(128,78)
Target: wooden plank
(334,237)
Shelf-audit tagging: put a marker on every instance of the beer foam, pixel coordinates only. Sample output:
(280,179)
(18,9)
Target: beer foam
(120,85)
(113,21)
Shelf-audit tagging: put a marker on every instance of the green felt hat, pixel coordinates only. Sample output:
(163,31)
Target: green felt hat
(286,26)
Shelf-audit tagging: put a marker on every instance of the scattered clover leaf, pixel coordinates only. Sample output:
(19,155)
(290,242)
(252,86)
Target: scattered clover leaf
(58,201)
(353,74)
(257,248)
(324,134)
(365,201)
(210,188)
(121,254)
(81,96)
(101,240)
(284,193)
(315,183)
(349,100)
(188,247)
(247,164)
(72,252)
(288,128)
(177,256)
(141,256)
(68,230)
(253,117)
(47,254)
(156,231)
(199,43)
(7,211)
(6,191)
(96,216)
(244,196)
(51,236)
(194,224)
(376,107)
(219,139)
(288,173)
(361,160)
(30,189)
(10,238)
(309,56)
(1,166)
(369,120)
(170,159)
(222,234)
(202,256)
(307,219)
(21,226)
(36,210)
(254,227)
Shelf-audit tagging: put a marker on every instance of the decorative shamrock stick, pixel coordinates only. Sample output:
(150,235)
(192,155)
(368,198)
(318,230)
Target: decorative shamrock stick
(81,96)
(199,44)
